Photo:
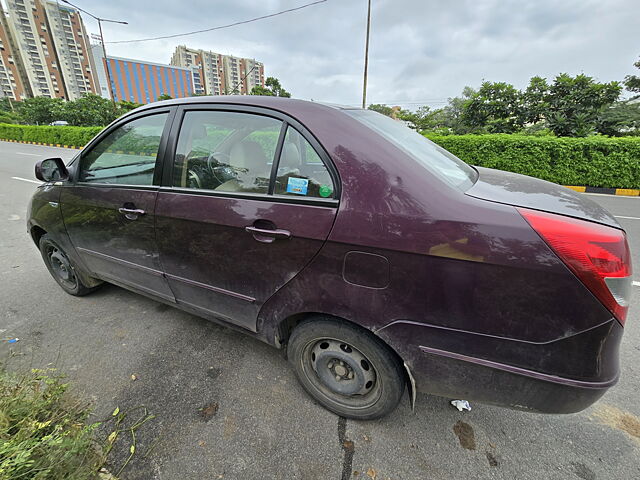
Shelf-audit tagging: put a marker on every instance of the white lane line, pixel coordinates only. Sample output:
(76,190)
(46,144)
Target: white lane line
(30,154)
(628,218)
(27,180)
(632,197)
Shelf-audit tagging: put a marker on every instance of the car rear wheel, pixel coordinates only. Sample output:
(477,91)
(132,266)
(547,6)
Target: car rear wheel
(62,268)
(346,368)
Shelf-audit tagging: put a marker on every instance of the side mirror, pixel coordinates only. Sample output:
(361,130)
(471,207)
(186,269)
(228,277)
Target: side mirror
(51,170)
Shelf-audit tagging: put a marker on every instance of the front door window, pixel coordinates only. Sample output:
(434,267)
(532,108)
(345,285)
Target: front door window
(127,155)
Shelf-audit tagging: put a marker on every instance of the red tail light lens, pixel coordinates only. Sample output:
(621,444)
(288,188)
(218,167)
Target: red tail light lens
(598,255)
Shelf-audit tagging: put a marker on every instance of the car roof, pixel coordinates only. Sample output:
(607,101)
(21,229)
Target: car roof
(278,103)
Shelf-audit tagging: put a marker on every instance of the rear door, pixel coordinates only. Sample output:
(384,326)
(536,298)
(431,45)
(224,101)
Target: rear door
(109,209)
(249,201)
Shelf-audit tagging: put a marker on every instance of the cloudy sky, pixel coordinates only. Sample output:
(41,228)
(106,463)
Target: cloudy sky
(421,51)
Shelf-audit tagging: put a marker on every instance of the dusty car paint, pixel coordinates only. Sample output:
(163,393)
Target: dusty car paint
(457,283)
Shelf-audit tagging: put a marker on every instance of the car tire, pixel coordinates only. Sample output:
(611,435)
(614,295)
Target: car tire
(62,269)
(347,369)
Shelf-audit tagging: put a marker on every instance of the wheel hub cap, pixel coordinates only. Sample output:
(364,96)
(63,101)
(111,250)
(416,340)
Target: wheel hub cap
(342,368)
(61,267)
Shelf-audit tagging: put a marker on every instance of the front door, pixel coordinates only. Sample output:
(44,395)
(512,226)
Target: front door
(109,210)
(248,204)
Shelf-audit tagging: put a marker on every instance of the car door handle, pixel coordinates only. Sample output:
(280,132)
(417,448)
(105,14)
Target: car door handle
(267,235)
(131,213)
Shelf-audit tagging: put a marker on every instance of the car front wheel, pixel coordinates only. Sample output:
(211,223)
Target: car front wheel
(345,368)
(61,268)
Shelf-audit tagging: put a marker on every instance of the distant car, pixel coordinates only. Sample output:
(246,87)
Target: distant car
(375,259)
(59,123)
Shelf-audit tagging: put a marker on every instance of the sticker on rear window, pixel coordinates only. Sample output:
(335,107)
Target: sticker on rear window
(298,186)
(325,191)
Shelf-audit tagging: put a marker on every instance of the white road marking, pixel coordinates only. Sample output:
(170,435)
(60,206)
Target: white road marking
(628,218)
(30,154)
(632,197)
(27,180)
(636,284)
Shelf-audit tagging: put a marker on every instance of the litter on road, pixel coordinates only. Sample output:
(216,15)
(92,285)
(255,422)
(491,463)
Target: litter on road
(461,405)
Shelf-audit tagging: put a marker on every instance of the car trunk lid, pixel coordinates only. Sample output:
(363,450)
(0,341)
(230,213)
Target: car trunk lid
(523,191)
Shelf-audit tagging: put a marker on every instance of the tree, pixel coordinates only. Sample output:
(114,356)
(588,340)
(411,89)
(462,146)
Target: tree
(575,104)
(496,106)
(125,106)
(422,119)
(165,96)
(272,88)
(380,108)
(89,110)
(621,118)
(632,82)
(534,102)
(42,110)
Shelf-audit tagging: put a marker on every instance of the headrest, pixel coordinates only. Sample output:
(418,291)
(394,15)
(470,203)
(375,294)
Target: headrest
(290,157)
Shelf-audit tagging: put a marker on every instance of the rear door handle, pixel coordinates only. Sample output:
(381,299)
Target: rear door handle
(131,213)
(266,235)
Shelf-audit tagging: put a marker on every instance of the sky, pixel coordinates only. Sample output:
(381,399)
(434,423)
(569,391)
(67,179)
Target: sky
(421,51)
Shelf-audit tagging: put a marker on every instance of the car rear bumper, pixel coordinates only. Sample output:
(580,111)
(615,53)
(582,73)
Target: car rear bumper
(459,376)
(545,378)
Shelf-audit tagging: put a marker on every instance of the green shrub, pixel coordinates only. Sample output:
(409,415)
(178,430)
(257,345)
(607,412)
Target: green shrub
(70,136)
(592,161)
(42,431)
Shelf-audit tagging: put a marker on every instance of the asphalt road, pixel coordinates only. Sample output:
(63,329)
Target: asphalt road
(265,426)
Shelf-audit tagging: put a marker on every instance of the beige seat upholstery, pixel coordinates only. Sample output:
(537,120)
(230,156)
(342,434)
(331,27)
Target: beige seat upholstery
(250,162)
(290,160)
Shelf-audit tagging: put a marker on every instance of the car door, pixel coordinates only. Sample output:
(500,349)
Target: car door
(108,210)
(237,217)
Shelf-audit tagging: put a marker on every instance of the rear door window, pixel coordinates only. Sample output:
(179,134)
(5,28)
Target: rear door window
(226,151)
(301,171)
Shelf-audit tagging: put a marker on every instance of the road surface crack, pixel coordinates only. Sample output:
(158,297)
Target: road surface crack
(348,448)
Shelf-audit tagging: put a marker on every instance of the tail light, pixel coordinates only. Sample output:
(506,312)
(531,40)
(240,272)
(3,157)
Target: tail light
(598,255)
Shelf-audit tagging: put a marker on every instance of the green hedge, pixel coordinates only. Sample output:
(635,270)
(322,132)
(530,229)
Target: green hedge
(71,136)
(592,161)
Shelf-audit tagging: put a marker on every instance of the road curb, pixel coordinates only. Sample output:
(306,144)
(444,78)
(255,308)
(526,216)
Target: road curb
(628,192)
(41,143)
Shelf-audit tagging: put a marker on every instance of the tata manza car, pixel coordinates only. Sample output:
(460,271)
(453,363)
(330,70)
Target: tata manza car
(374,259)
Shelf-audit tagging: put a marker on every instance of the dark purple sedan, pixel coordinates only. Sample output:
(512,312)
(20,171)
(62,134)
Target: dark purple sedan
(375,259)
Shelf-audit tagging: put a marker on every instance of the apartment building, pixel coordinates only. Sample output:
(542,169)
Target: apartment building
(11,83)
(217,74)
(139,81)
(72,48)
(49,48)
(242,74)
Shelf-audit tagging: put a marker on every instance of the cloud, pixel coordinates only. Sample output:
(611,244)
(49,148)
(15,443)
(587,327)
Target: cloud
(420,52)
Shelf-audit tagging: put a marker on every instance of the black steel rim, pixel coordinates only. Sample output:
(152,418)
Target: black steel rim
(341,373)
(61,267)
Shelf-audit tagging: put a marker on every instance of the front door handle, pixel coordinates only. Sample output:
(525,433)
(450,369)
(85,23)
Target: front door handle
(131,213)
(267,235)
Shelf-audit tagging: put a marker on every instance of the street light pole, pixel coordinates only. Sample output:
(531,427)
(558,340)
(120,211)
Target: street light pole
(366,57)
(104,50)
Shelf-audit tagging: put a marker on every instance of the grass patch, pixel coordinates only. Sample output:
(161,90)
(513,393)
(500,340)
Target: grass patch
(45,434)
(43,430)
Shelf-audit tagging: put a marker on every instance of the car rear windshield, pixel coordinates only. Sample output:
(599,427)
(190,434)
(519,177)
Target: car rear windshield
(437,160)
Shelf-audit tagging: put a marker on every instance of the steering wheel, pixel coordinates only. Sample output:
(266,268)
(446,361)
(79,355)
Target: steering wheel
(218,165)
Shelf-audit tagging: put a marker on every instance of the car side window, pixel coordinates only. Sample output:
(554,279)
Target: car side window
(127,155)
(225,151)
(301,172)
